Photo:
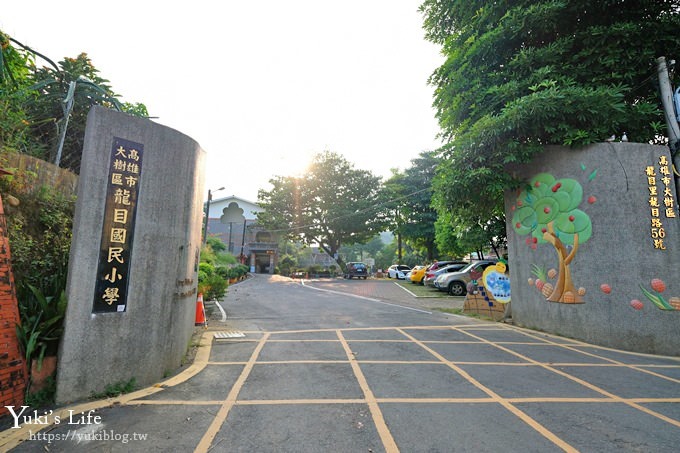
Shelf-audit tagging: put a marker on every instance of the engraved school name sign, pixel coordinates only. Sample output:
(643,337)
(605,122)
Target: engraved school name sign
(113,269)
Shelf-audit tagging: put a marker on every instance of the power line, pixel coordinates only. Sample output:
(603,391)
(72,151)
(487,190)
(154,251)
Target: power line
(362,211)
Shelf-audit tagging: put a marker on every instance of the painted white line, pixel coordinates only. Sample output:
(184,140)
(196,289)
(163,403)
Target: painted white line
(405,307)
(367,298)
(420,297)
(230,334)
(405,289)
(224,313)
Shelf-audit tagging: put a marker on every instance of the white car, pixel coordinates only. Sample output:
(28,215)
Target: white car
(398,271)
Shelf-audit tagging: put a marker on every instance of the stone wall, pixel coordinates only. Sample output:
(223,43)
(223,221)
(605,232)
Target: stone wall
(43,174)
(594,246)
(134,255)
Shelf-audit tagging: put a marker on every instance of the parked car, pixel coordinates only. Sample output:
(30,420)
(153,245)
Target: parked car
(417,274)
(398,271)
(431,275)
(439,264)
(455,283)
(356,269)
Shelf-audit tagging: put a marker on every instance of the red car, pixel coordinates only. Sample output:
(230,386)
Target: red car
(431,272)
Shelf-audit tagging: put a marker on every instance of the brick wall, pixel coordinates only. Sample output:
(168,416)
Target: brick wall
(12,364)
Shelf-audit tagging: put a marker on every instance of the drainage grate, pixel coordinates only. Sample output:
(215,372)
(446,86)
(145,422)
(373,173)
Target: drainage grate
(230,334)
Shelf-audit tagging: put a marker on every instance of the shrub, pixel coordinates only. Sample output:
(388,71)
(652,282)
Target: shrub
(216,287)
(206,268)
(223,271)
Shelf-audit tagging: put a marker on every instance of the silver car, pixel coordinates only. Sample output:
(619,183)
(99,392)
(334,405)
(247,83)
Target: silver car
(455,283)
(431,276)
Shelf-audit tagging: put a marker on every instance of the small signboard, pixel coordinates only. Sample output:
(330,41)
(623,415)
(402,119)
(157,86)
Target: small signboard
(113,269)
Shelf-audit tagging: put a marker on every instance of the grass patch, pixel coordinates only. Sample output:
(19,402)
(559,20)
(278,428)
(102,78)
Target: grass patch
(420,290)
(44,397)
(116,389)
(453,311)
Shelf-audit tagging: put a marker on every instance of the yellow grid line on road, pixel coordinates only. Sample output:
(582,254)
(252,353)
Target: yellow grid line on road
(545,432)
(10,438)
(380,425)
(582,381)
(638,367)
(374,402)
(487,400)
(202,360)
(204,445)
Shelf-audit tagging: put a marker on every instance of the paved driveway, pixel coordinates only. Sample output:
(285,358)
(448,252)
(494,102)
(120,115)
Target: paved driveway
(299,369)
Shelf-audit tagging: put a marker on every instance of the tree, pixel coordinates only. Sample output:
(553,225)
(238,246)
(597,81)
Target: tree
(331,205)
(547,210)
(459,235)
(32,104)
(15,131)
(524,74)
(53,85)
(412,202)
(361,251)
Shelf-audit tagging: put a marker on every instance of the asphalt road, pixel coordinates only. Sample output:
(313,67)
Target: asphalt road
(362,366)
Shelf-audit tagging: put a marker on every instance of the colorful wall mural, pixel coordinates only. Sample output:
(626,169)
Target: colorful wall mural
(547,211)
(489,291)
(594,231)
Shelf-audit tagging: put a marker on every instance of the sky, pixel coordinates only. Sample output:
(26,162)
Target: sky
(261,86)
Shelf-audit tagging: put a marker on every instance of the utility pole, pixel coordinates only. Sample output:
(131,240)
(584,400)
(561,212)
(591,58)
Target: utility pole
(666,92)
(207,215)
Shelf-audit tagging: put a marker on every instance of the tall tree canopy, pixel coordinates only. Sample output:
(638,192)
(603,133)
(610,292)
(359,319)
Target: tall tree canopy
(520,75)
(33,102)
(456,236)
(411,192)
(332,204)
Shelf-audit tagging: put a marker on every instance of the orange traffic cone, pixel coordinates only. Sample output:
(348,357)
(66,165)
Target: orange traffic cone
(200,311)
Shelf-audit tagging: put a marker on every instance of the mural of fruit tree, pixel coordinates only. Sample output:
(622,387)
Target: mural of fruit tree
(547,211)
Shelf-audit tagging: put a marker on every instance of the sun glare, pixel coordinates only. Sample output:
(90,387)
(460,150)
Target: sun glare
(294,165)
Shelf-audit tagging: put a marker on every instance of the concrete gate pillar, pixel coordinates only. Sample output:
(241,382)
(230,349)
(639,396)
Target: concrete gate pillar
(134,256)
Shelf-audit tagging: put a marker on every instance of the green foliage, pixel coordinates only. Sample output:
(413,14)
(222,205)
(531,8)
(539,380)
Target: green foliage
(40,231)
(447,239)
(32,109)
(216,287)
(411,195)
(116,389)
(136,109)
(206,268)
(216,244)
(458,235)
(225,259)
(42,324)
(43,397)
(47,113)
(40,234)
(547,201)
(332,204)
(215,269)
(360,251)
(524,74)
(15,127)
(286,264)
